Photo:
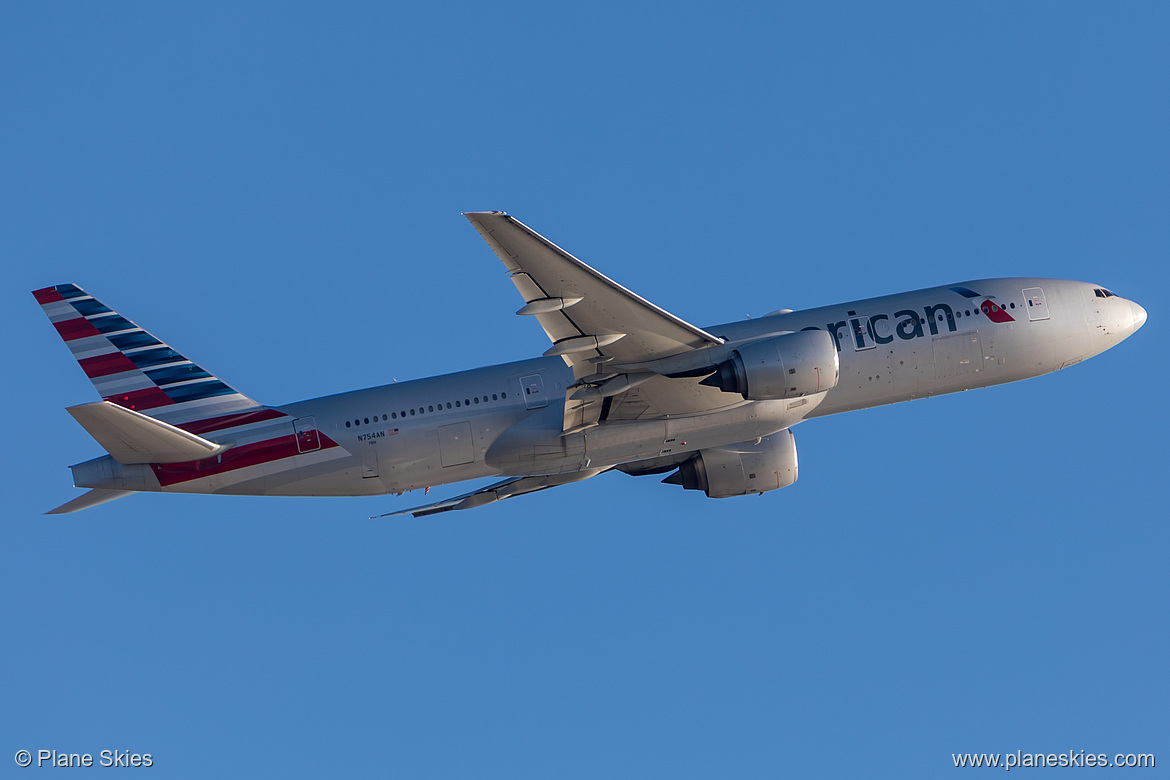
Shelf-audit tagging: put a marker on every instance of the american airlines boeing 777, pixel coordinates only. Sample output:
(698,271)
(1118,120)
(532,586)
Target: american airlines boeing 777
(625,385)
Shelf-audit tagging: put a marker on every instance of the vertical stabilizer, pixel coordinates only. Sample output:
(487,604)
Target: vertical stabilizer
(133,369)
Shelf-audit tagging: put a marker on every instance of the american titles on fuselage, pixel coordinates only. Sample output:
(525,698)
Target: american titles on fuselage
(908,324)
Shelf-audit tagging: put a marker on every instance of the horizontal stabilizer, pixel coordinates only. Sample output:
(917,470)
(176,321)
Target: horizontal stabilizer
(131,437)
(87,499)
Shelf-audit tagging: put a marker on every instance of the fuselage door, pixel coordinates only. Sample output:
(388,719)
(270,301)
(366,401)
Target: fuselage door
(1037,305)
(533,387)
(307,438)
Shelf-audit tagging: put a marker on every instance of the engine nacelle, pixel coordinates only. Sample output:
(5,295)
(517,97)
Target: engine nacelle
(741,469)
(786,366)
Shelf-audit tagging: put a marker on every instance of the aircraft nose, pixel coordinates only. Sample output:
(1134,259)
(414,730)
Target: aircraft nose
(1139,315)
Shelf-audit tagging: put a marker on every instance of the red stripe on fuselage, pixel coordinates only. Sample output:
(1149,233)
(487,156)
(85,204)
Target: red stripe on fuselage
(239,457)
(79,328)
(104,365)
(995,312)
(229,421)
(47,295)
(140,400)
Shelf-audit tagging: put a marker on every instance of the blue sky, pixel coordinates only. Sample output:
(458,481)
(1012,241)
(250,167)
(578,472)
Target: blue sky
(275,190)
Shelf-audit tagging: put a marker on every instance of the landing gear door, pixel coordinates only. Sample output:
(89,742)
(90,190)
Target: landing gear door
(1036,303)
(533,388)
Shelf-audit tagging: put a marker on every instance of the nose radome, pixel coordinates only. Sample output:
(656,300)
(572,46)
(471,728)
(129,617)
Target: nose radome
(1139,315)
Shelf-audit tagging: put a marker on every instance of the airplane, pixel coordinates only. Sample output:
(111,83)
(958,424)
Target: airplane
(624,385)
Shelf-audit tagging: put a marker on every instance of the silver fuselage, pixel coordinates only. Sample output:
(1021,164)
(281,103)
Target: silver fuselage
(489,422)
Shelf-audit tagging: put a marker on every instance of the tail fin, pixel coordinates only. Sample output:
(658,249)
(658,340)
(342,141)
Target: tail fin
(133,369)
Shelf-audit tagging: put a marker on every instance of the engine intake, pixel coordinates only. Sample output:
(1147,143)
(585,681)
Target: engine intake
(741,469)
(786,366)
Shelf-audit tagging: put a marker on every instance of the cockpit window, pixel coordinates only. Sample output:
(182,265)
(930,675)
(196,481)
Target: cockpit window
(1101,292)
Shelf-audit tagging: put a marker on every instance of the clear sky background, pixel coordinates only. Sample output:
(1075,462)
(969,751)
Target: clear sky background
(275,190)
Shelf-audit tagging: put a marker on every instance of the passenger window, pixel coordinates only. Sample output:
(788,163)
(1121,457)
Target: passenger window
(503,395)
(347,423)
(430,408)
(494,397)
(383,418)
(477,399)
(448,404)
(458,404)
(412,412)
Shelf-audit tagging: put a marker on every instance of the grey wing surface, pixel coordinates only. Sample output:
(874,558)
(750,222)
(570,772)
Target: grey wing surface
(585,314)
(593,323)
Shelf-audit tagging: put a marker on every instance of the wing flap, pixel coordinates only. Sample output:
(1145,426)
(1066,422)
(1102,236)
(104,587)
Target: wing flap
(131,437)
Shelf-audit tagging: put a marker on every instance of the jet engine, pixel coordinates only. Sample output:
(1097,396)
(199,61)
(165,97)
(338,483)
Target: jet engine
(786,366)
(740,469)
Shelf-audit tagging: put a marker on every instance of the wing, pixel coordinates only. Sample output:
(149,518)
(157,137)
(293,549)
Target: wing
(498,491)
(594,323)
(587,315)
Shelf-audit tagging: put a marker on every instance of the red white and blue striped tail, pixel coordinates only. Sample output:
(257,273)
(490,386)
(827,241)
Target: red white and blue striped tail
(133,369)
